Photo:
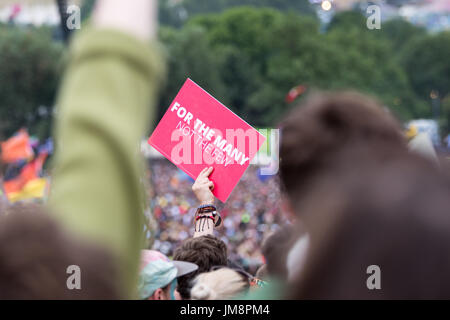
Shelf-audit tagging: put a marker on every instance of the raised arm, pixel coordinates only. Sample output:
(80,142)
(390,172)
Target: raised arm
(105,106)
(206,216)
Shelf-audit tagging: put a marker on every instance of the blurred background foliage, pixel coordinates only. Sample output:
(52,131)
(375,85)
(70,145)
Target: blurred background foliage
(30,68)
(248,54)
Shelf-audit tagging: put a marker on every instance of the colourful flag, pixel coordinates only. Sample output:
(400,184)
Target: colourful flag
(17,148)
(33,189)
(25,181)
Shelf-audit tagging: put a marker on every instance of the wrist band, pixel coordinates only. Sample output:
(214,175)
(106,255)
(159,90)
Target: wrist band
(206,205)
(219,218)
(204,217)
(209,208)
(206,208)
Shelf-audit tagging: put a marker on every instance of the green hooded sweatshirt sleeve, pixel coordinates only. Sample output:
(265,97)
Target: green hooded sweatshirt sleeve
(105,105)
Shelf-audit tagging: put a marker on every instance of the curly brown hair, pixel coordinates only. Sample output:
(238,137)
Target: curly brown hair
(205,251)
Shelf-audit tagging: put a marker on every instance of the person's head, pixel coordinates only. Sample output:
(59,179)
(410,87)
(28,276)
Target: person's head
(206,252)
(158,275)
(314,133)
(275,249)
(262,273)
(394,217)
(221,284)
(39,259)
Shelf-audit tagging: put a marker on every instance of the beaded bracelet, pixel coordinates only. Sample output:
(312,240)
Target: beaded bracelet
(209,208)
(206,208)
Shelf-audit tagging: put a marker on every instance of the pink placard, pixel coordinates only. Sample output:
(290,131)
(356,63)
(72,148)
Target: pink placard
(197,131)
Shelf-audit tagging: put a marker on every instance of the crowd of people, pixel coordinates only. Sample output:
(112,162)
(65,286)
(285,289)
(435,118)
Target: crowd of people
(354,213)
(252,212)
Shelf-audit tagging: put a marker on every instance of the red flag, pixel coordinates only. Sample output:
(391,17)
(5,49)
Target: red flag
(29,172)
(17,147)
(15,10)
(294,93)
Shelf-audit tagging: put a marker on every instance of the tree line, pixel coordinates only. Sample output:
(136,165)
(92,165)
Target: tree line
(249,57)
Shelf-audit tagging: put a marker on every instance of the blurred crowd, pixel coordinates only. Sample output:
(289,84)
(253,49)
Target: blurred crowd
(252,212)
(363,212)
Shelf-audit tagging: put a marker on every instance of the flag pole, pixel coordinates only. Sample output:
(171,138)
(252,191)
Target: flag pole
(62,9)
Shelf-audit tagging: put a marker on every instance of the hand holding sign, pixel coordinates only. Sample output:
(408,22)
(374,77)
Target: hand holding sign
(198,131)
(202,187)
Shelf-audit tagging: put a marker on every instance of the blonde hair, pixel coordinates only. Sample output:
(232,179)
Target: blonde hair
(220,284)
